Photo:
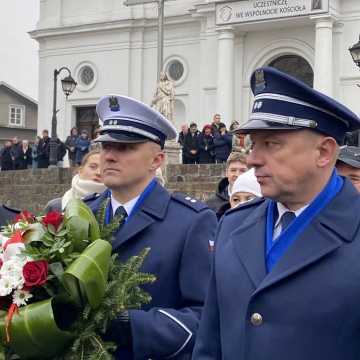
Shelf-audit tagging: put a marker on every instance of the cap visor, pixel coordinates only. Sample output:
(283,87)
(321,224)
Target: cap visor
(353,163)
(254,125)
(121,138)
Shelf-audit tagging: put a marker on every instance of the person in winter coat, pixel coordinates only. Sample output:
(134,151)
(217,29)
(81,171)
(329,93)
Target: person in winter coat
(215,125)
(24,159)
(206,146)
(222,144)
(6,162)
(82,146)
(70,144)
(191,145)
(34,153)
(16,152)
(61,152)
(181,139)
(44,150)
(235,165)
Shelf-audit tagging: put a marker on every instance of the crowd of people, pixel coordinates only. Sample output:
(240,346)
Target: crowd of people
(269,267)
(21,155)
(211,145)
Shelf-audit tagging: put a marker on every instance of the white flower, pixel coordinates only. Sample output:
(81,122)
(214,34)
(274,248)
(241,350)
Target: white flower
(5,287)
(11,273)
(13,250)
(20,297)
(12,266)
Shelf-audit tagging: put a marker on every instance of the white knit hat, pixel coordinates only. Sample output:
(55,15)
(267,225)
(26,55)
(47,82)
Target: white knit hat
(247,182)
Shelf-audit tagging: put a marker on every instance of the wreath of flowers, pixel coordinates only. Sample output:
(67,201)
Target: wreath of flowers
(60,287)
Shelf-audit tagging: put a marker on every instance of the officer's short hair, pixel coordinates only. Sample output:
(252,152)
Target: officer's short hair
(235,156)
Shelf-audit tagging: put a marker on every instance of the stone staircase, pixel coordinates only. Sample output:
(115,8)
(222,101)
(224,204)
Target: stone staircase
(32,189)
(197,181)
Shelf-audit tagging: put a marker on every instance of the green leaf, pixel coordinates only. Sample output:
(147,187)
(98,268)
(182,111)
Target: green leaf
(35,333)
(81,224)
(86,278)
(57,269)
(51,229)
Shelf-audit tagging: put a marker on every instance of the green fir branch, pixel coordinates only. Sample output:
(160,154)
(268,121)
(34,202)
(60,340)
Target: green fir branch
(122,292)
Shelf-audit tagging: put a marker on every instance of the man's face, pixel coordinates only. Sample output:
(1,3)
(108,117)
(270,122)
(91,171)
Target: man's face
(284,162)
(45,134)
(15,140)
(351,172)
(125,166)
(235,169)
(217,119)
(193,129)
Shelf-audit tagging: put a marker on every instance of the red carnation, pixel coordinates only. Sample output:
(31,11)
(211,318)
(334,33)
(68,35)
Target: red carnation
(54,218)
(35,273)
(25,215)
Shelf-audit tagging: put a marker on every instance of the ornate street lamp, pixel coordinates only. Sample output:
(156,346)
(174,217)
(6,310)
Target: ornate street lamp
(355,53)
(354,137)
(68,85)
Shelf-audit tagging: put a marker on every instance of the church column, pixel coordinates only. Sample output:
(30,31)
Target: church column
(225,75)
(337,56)
(323,74)
(239,71)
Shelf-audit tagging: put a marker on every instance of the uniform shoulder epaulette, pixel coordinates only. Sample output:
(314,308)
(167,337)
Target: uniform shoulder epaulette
(247,205)
(188,201)
(91,197)
(8,208)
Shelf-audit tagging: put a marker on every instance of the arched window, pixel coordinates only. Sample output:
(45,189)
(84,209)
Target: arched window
(296,66)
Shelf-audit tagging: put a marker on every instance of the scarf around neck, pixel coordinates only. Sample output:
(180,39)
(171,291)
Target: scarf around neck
(81,188)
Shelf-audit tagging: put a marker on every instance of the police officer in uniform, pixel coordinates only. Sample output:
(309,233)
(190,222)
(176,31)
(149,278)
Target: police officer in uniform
(286,275)
(7,214)
(348,164)
(178,230)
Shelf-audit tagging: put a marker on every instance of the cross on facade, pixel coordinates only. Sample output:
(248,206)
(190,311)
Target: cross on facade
(160,28)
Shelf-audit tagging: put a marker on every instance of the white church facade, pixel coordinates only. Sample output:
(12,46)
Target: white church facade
(210,50)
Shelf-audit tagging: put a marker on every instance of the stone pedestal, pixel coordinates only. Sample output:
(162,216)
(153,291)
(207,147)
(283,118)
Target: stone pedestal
(173,152)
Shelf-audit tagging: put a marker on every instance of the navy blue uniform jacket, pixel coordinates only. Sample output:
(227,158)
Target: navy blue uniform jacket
(309,302)
(178,231)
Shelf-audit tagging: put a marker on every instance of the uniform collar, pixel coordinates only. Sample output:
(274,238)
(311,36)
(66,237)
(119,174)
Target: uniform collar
(281,208)
(128,206)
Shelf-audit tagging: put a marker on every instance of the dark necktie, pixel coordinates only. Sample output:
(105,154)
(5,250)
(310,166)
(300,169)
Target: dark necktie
(286,220)
(121,212)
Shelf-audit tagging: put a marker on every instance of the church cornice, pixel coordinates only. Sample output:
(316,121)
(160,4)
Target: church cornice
(128,24)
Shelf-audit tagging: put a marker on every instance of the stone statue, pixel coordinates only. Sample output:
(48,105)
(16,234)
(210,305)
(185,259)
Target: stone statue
(164,97)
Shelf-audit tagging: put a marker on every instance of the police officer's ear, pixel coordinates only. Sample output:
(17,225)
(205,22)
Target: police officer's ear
(158,156)
(328,151)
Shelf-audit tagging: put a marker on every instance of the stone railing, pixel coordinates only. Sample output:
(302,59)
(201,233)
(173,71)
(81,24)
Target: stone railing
(32,189)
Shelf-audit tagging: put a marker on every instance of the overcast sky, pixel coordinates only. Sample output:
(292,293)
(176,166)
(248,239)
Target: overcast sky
(18,52)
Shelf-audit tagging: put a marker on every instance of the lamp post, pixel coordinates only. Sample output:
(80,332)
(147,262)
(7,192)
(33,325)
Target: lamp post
(68,85)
